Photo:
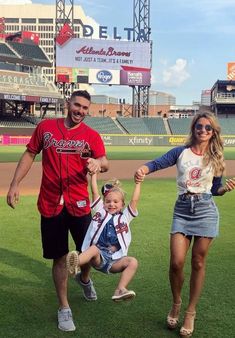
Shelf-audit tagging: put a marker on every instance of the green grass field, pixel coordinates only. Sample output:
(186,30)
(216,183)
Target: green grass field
(13,153)
(28,301)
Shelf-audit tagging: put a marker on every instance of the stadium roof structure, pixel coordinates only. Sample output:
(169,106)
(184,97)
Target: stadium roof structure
(224,83)
(7,54)
(20,85)
(223,97)
(24,54)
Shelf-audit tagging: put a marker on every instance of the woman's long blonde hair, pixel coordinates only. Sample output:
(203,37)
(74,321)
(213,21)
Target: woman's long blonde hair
(214,154)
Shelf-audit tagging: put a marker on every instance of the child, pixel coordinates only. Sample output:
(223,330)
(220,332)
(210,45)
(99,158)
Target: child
(108,237)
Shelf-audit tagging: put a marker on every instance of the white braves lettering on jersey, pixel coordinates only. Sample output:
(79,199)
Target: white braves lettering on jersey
(97,218)
(66,146)
(121,227)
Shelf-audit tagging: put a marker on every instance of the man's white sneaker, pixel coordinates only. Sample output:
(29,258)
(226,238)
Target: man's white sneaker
(65,320)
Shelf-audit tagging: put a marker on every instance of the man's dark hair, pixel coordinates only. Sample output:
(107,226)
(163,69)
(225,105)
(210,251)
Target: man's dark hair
(82,93)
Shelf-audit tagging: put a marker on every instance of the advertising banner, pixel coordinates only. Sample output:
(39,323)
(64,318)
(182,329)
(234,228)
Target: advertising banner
(124,140)
(143,140)
(153,140)
(30,98)
(231,71)
(64,74)
(69,74)
(103,54)
(103,76)
(80,75)
(64,35)
(133,76)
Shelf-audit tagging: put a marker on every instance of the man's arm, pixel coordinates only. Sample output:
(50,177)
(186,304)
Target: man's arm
(21,171)
(104,164)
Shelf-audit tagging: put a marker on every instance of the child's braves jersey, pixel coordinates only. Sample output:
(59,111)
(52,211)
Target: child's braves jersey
(64,157)
(192,175)
(121,223)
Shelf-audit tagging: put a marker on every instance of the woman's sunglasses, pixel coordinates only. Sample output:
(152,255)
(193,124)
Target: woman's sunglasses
(200,126)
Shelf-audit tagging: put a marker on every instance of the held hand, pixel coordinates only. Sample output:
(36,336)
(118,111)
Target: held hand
(13,196)
(93,166)
(139,175)
(229,184)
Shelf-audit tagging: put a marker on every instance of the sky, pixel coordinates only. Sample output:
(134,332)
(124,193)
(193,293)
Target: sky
(192,42)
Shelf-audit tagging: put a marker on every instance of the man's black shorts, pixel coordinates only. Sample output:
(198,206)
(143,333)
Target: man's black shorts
(55,233)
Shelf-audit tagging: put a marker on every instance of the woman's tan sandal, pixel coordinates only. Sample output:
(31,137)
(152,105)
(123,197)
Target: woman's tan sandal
(173,316)
(190,317)
(73,262)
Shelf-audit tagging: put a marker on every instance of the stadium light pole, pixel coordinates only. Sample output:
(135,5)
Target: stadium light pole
(64,15)
(141,33)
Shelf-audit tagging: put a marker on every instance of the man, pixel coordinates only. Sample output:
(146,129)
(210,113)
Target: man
(70,150)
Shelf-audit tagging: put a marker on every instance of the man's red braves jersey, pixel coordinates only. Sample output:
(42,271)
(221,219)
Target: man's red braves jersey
(64,157)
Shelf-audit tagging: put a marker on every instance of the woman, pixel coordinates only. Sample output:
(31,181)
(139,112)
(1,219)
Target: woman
(200,165)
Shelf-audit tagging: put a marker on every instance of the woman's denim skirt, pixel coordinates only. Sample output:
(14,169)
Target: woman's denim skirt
(196,215)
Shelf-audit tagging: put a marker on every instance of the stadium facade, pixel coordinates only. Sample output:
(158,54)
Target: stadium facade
(206,97)
(161,98)
(40,18)
(223,98)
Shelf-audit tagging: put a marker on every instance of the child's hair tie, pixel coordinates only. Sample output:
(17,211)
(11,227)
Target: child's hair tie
(106,188)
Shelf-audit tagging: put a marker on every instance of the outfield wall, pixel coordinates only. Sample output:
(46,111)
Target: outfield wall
(125,140)
(154,140)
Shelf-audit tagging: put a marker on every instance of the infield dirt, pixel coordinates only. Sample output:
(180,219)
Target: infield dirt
(121,169)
